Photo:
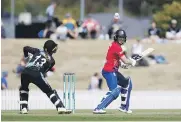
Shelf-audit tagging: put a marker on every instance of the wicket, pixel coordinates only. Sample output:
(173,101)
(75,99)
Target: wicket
(69,91)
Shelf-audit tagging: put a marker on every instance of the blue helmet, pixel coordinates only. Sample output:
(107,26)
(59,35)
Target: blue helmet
(120,35)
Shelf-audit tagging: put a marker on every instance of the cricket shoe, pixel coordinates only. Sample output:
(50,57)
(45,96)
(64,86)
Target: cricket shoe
(124,110)
(99,111)
(63,111)
(24,111)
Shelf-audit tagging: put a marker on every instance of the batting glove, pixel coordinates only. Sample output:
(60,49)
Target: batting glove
(133,62)
(137,57)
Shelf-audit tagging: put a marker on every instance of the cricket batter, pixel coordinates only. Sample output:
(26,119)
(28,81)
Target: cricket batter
(39,63)
(116,82)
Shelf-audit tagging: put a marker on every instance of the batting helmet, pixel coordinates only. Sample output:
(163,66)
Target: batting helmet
(120,35)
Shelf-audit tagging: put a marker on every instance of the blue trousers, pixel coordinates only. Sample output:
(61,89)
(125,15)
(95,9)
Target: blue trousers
(114,91)
(111,79)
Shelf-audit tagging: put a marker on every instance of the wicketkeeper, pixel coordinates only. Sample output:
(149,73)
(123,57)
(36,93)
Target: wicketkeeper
(39,63)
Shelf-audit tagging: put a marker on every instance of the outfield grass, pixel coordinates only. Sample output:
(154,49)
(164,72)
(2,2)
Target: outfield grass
(86,115)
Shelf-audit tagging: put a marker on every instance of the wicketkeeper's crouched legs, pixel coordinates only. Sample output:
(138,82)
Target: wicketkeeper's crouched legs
(55,99)
(40,82)
(24,91)
(23,98)
(52,94)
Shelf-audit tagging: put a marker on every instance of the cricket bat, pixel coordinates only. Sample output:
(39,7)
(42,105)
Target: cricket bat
(140,56)
(145,53)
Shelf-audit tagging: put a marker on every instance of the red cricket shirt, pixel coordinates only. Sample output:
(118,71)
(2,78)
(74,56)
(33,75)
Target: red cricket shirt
(114,54)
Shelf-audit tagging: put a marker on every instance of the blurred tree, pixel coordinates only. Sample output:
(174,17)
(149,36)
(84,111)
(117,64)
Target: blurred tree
(72,6)
(98,6)
(134,7)
(169,12)
(5,6)
(145,7)
(39,7)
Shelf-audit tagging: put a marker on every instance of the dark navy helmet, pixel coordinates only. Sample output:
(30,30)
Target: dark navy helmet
(120,36)
(50,46)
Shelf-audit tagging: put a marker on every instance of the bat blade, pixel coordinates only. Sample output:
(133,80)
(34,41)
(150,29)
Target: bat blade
(143,54)
(147,51)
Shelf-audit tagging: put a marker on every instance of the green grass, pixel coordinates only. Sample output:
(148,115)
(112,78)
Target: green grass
(86,115)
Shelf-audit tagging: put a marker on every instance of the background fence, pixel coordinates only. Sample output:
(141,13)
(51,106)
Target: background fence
(89,99)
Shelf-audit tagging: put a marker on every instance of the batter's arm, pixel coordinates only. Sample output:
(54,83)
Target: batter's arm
(123,58)
(128,61)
